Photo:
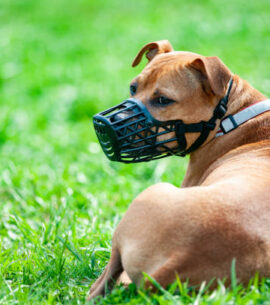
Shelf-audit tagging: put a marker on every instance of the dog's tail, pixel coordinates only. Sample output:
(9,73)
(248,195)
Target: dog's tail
(108,277)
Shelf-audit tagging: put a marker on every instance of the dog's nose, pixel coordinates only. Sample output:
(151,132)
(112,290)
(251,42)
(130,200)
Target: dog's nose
(120,116)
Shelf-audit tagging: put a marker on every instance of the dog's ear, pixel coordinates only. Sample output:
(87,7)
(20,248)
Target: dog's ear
(213,73)
(152,49)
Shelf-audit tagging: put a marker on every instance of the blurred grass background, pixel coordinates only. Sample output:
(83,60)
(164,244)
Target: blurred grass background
(60,63)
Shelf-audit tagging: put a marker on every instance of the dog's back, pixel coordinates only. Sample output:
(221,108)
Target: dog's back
(222,211)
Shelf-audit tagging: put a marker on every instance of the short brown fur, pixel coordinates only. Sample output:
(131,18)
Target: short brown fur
(222,211)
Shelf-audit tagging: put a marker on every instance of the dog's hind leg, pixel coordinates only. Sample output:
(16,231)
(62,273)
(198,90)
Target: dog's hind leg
(108,277)
(164,275)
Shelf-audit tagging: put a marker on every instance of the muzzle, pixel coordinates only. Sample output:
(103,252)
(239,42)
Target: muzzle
(129,133)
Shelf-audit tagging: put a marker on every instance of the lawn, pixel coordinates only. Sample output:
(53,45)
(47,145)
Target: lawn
(60,198)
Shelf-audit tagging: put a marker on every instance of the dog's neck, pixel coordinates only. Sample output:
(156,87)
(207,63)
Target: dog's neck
(242,95)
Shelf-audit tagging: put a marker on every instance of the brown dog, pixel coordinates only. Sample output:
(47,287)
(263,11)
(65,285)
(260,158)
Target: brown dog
(222,211)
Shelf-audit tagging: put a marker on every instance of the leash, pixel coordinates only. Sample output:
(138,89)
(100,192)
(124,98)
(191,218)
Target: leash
(231,122)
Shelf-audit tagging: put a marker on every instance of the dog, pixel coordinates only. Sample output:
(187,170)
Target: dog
(221,212)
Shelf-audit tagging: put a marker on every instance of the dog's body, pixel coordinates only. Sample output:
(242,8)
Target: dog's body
(222,211)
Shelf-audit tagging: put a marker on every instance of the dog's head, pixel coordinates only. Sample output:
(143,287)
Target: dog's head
(174,86)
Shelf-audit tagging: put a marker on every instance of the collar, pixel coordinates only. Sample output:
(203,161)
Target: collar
(231,122)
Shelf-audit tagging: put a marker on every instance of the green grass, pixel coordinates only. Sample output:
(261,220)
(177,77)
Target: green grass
(60,199)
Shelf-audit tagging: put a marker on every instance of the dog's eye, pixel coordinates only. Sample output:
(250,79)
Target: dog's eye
(133,89)
(163,101)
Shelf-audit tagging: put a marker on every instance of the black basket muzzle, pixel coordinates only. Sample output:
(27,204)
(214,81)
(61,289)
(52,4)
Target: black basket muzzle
(128,133)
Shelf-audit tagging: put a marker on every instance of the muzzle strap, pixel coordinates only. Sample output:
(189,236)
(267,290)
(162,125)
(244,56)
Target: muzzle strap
(205,127)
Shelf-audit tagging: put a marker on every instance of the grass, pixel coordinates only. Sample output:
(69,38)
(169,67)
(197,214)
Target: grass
(60,199)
